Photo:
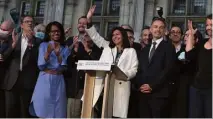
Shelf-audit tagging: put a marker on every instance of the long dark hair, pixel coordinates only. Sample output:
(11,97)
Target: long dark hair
(48,30)
(125,40)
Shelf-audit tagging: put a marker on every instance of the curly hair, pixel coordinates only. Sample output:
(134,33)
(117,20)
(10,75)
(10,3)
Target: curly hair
(125,40)
(48,30)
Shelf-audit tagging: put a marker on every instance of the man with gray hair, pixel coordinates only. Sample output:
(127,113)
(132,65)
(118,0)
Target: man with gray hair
(39,31)
(6,29)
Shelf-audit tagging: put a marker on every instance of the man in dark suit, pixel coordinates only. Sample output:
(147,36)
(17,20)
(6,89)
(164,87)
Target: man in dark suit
(154,63)
(83,48)
(22,72)
(6,29)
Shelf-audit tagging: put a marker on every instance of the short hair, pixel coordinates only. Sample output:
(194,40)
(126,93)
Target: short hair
(82,17)
(129,30)
(48,30)
(159,19)
(125,40)
(40,27)
(181,31)
(129,27)
(209,16)
(23,17)
(145,27)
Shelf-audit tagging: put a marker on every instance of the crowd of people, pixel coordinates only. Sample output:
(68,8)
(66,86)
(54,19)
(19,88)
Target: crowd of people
(168,75)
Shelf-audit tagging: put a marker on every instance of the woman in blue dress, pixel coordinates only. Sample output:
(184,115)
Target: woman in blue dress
(49,96)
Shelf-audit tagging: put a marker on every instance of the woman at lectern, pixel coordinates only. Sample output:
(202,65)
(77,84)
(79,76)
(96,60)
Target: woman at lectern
(125,58)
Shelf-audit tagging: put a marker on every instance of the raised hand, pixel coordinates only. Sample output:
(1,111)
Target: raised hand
(50,48)
(90,13)
(75,43)
(191,39)
(190,27)
(68,31)
(86,45)
(15,38)
(57,48)
(29,34)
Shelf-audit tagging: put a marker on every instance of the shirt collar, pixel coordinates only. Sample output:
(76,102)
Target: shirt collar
(178,48)
(158,40)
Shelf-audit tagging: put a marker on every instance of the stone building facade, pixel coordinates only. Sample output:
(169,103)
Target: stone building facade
(109,13)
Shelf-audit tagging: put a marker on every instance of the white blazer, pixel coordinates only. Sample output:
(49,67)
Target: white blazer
(128,63)
(96,38)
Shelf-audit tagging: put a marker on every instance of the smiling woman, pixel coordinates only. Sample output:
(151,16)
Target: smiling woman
(118,52)
(49,97)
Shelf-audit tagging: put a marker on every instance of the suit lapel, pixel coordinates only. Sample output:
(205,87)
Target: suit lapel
(114,52)
(146,56)
(122,56)
(18,45)
(158,49)
(27,54)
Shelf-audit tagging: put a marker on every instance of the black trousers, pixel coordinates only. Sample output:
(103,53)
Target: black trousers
(2,104)
(17,103)
(152,107)
(133,104)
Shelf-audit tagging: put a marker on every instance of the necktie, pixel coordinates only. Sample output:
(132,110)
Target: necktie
(152,50)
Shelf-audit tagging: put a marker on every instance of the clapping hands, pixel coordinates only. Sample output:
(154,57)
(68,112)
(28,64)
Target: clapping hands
(145,88)
(53,47)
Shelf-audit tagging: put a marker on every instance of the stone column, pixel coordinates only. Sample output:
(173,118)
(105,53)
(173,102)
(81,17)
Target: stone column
(138,18)
(68,13)
(54,11)
(125,11)
(80,9)
(2,10)
(149,11)
(209,7)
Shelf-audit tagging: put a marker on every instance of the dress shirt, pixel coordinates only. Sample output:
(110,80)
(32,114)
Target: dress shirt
(24,43)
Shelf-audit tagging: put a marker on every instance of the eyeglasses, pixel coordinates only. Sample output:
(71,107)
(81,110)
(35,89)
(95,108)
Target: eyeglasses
(27,22)
(173,32)
(55,31)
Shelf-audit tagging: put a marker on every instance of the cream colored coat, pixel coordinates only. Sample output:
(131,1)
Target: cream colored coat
(128,63)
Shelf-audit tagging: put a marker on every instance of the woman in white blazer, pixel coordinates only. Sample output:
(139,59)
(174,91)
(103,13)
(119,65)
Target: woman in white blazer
(117,51)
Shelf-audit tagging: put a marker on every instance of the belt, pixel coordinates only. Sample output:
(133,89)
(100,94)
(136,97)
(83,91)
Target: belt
(54,72)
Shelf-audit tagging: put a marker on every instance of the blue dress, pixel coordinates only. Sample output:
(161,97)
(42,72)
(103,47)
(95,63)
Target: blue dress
(49,96)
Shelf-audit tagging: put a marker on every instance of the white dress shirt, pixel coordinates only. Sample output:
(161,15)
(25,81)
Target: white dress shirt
(177,49)
(24,43)
(158,41)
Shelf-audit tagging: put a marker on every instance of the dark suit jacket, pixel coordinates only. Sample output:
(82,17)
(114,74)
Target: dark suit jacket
(4,64)
(137,47)
(154,72)
(25,79)
(74,78)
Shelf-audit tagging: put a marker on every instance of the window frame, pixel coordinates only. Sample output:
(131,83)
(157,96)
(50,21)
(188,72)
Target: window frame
(36,8)
(105,17)
(21,10)
(185,17)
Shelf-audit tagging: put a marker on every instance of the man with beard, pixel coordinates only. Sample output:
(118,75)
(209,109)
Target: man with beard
(175,35)
(82,49)
(146,37)
(151,79)
(6,29)
(22,71)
